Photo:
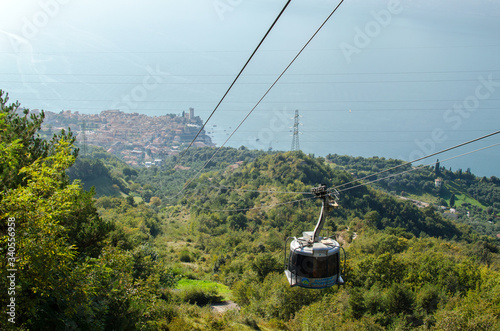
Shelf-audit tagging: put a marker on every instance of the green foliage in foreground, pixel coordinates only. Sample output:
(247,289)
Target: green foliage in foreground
(68,273)
(120,264)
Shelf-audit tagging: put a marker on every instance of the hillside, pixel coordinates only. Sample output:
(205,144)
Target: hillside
(459,194)
(113,177)
(227,228)
(155,257)
(475,199)
(104,171)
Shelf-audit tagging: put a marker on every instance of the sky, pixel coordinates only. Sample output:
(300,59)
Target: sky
(398,79)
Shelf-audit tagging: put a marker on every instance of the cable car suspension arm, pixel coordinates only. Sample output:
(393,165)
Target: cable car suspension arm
(329,199)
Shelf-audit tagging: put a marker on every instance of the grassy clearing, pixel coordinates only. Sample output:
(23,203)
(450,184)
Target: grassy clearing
(222,290)
(462,198)
(426,197)
(461,195)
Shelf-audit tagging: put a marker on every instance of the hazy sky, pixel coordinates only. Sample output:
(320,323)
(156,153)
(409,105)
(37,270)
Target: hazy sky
(385,78)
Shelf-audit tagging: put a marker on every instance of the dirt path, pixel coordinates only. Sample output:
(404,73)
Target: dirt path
(419,204)
(224,306)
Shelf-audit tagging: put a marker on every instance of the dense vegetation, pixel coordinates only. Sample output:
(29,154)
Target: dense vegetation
(146,253)
(475,200)
(69,273)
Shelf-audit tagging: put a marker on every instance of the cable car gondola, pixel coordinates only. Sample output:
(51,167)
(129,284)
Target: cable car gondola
(314,262)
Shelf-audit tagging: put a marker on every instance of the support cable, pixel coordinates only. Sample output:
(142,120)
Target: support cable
(416,168)
(349,188)
(262,98)
(383,171)
(234,81)
(419,159)
(256,208)
(262,191)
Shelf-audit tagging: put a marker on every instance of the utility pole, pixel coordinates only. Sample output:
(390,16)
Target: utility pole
(295,139)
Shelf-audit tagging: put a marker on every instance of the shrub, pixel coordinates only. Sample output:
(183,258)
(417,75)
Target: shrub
(185,256)
(200,297)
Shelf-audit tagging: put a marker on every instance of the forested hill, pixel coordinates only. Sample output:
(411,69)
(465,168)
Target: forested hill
(154,255)
(461,196)
(421,180)
(458,194)
(247,187)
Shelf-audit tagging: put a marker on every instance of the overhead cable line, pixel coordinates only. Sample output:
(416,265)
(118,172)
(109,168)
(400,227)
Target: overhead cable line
(265,94)
(234,81)
(346,189)
(254,208)
(369,101)
(370,182)
(80,52)
(255,74)
(190,83)
(416,168)
(260,191)
(419,159)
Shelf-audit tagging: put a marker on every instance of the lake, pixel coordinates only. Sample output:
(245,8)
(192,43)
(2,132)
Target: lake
(395,79)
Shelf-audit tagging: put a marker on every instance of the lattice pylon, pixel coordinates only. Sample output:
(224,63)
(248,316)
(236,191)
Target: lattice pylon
(295,139)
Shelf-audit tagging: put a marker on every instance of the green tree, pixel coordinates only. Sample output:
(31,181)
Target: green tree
(357,303)
(20,133)
(452,200)
(237,221)
(155,201)
(131,201)
(43,250)
(372,218)
(400,299)
(57,229)
(437,169)
(147,195)
(264,264)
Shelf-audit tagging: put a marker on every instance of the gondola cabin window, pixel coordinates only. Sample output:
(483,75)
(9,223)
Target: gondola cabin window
(316,267)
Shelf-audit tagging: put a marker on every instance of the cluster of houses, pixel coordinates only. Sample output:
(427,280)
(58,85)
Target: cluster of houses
(138,139)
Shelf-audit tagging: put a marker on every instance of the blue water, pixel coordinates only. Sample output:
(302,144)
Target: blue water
(423,79)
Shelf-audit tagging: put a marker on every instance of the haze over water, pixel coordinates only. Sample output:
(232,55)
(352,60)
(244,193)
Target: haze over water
(395,79)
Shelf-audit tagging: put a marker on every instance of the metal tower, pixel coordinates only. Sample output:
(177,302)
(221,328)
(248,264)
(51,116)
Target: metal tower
(295,139)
